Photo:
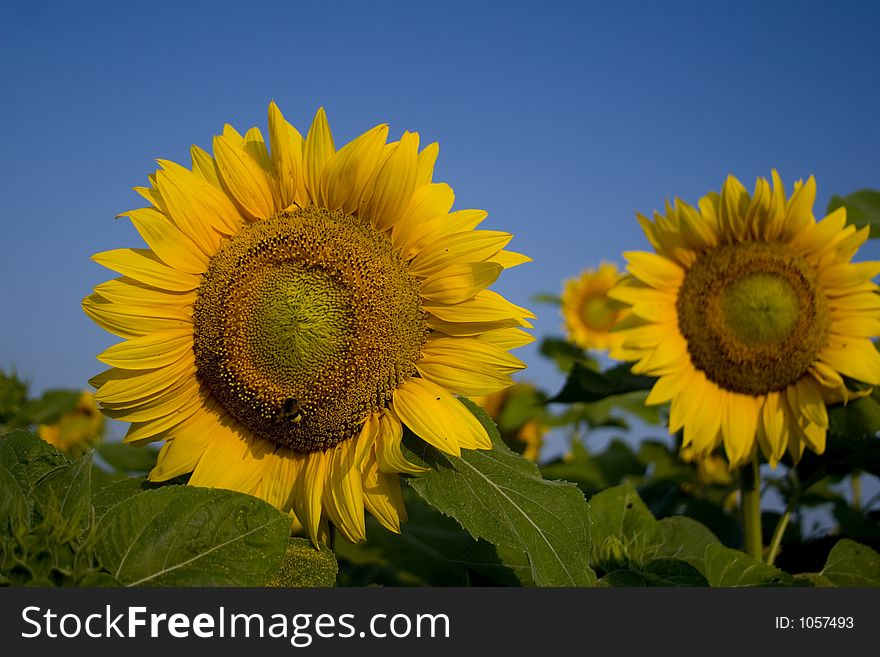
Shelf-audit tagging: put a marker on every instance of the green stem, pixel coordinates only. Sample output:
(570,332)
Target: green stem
(782,525)
(855,480)
(750,491)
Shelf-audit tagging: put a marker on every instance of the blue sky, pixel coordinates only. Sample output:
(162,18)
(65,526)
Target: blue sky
(560,118)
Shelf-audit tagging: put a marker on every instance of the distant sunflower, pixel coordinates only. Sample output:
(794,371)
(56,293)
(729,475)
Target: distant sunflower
(77,429)
(295,309)
(587,310)
(751,313)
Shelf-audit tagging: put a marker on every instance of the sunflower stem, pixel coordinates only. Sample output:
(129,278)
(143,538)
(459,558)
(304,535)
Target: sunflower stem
(782,525)
(750,491)
(855,480)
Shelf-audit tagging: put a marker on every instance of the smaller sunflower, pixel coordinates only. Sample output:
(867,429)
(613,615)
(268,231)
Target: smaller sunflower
(751,313)
(588,312)
(78,429)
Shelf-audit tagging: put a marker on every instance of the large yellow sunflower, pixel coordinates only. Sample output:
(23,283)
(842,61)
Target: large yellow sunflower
(588,312)
(751,314)
(298,305)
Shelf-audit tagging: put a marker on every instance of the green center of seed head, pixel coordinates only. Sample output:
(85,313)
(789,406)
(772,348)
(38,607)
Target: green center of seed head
(596,312)
(760,309)
(304,324)
(753,316)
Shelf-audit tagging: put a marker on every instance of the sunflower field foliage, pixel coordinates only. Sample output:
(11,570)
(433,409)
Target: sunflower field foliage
(318,388)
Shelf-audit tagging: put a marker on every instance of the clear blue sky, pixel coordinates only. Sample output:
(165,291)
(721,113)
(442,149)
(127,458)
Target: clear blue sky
(559,118)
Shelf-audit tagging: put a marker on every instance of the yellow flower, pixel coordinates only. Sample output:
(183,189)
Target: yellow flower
(751,313)
(76,430)
(297,306)
(587,310)
(521,429)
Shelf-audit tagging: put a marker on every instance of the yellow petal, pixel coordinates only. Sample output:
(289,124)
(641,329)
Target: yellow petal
(655,270)
(459,282)
(126,290)
(148,351)
(247,182)
(425,167)
(287,157)
(467,366)
(393,186)
(347,172)
(204,166)
(128,321)
(343,493)
(507,338)
(468,246)
(306,500)
(131,385)
(317,150)
(172,246)
(485,306)
(382,496)
(859,360)
(388,453)
(143,265)
(438,418)
(739,422)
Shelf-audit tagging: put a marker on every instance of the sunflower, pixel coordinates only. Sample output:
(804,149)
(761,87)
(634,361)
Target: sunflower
(588,312)
(297,306)
(77,429)
(751,314)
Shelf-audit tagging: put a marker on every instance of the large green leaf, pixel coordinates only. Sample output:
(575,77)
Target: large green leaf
(728,567)
(185,536)
(587,385)
(658,572)
(66,491)
(108,496)
(627,537)
(500,497)
(431,549)
(14,509)
(624,531)
(305,566)
(857,420)
(852,564)
(862,208)
(29,458)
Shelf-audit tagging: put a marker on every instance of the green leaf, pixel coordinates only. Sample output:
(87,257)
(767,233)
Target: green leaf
(595,472)
(52,405)
(186,536)
(624,531)
(565,354)
(728,567)
(499,496)
(66,491)
(685,539)
(28,457)
(857,420)
(108,496)
(128,458)
(544,297)
(586,385)
(305,566)
(431,549)
(862,209)
(852,564)
(14,509)
(659,572)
